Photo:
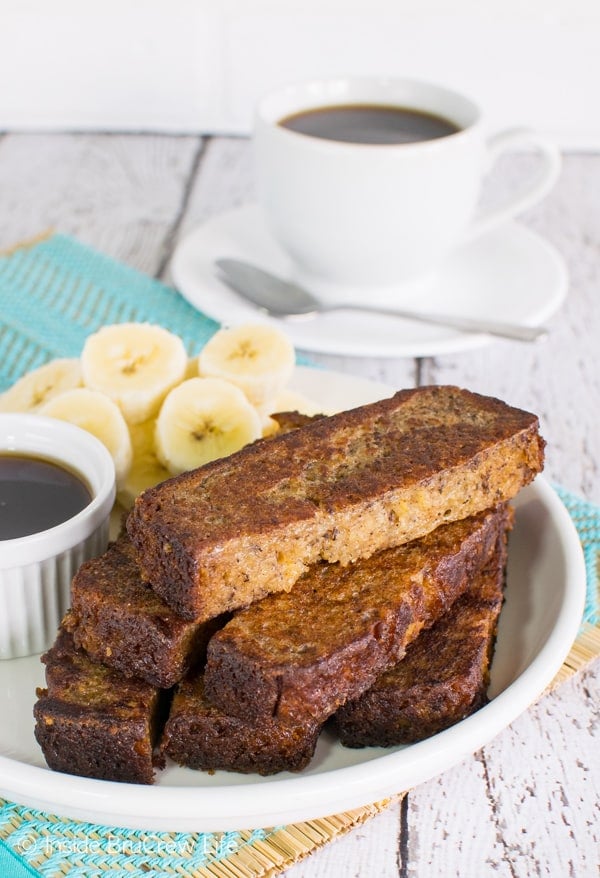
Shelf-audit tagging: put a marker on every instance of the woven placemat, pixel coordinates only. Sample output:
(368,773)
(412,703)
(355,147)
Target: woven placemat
(36,843)
(53,293)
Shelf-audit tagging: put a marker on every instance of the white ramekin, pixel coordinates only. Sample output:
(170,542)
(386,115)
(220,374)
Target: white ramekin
(36,570)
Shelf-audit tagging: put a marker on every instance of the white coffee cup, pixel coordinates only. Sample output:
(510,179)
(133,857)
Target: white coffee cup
(354,217)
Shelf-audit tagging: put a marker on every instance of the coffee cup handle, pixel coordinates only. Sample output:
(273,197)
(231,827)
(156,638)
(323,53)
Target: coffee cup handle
(547,174)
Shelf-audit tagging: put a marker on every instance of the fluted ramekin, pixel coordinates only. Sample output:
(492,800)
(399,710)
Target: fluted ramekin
(36,570)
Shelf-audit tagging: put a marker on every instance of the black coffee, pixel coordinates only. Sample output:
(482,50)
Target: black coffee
(369,123)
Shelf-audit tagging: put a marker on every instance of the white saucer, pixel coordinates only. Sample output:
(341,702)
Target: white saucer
(511,274)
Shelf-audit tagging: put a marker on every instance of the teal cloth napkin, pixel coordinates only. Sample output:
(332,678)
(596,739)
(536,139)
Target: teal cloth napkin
(52,295)
(55,293)
(11,864)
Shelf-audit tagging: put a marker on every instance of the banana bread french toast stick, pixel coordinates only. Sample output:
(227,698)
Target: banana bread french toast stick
(443,677)
(120,621)
(338,489)
(94,722)
(304,653)
(200,735)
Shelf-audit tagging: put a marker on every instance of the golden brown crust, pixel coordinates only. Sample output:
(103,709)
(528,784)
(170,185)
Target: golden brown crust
(337,489)
(306,652)
(442,679)
(120,621)
(200,735)
(287,421)
(94,722)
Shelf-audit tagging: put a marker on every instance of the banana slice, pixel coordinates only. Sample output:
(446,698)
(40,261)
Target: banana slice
(146,469)
(257,358)
(191,370)
(136,364)
(202,419)
(99,415)
(37,387)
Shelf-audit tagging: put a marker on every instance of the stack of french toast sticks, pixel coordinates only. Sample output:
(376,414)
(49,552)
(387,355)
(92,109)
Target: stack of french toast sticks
(347,572)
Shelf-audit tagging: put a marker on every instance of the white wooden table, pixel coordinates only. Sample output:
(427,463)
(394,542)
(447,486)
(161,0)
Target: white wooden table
(528,803)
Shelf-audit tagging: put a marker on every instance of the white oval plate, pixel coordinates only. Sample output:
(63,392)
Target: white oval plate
(544,603)
(511,274)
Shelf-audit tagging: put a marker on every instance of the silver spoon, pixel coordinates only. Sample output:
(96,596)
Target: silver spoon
(284,299)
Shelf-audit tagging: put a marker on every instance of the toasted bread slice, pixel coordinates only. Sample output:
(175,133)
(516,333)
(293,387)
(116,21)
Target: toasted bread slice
(304,653)
(200,735)
(95,722)
(442,679)
(120,621)
(338,489)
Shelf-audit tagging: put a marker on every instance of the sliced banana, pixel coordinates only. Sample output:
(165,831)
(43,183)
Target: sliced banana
(202,419)
(99,415)
(257,358)
(191,370)
(136,364)
(146,469)
(37,387)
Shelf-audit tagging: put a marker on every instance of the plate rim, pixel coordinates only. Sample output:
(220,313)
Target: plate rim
(453,342)
(303,797)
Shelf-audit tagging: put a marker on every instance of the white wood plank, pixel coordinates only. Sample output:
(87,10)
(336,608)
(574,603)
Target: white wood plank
(368,850)
(225,179)
(527,804)
(545,780)
(451,825)
(559,379)
(118,193)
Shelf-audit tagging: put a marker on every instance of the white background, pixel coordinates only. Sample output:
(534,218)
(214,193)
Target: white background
(198,65)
